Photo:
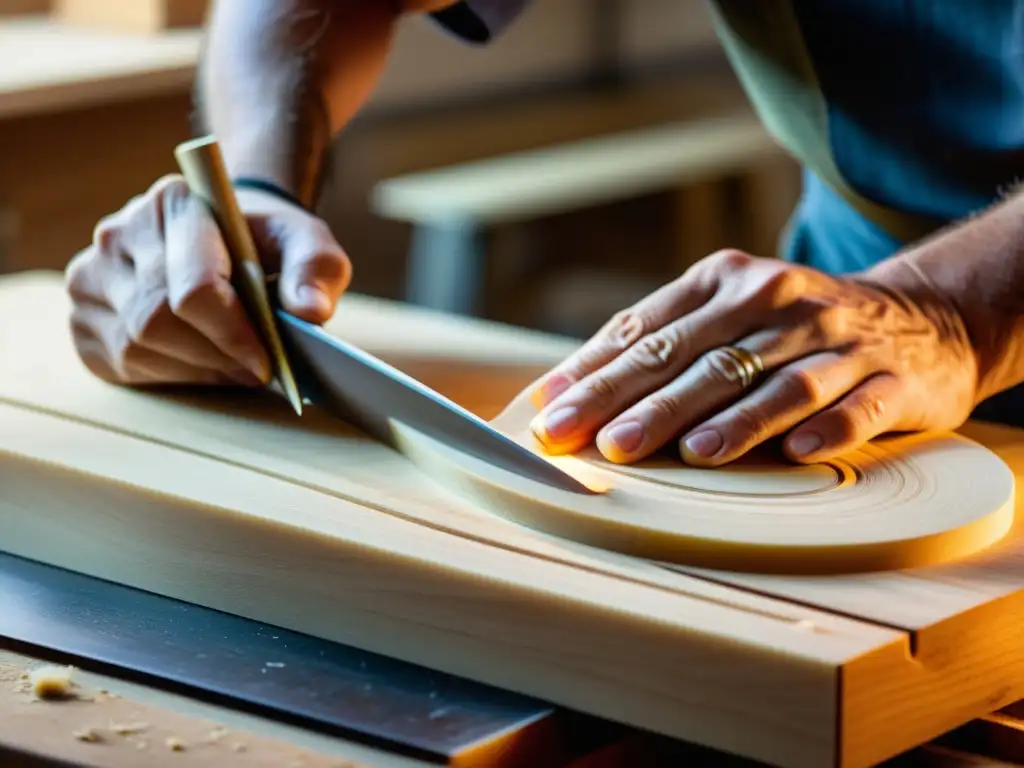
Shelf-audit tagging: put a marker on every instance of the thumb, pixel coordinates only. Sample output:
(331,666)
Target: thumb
(315,271)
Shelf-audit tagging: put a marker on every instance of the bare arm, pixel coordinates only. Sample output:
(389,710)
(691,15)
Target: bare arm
(976,266)
(279,78)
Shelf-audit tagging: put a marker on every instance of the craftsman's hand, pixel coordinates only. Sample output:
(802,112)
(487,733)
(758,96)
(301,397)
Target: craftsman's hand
(844,360)
(152,301)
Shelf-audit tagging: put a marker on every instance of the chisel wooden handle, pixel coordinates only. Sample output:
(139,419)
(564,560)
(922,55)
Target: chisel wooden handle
(203,167)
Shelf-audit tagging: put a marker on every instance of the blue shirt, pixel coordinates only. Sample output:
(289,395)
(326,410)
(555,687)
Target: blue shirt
(906,115)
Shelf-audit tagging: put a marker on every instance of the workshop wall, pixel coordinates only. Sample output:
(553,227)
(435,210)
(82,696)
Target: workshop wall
(439,102)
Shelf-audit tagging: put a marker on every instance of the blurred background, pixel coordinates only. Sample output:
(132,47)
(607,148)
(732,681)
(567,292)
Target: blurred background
(548,180)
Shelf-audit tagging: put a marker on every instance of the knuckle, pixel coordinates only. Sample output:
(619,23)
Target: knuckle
(665,409)
(601,389)
(76,271)
(169,185)
(730,260)
(133,359)
(141,317)
(192,297)
(91,349)
(831,324)
(749,424)
(174,201)
(871,409)
(107,234)
(847,422)
(801,386)
(720,367)
(624,329)
(82,331)
(780,288)
(656,351)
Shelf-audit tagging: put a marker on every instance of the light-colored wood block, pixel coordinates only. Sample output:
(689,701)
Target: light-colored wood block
(577,174)
(47,68)
(134,16)
(229,501)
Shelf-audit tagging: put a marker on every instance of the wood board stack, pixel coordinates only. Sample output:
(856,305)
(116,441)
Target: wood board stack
(130,16)
(227,501)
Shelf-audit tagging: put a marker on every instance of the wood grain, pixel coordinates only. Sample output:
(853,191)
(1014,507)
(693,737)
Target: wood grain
(228,501)
(132,16)
(114,724)
(893,504)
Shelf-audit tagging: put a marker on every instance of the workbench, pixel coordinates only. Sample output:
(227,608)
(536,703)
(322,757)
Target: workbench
(196,686)
(164,683)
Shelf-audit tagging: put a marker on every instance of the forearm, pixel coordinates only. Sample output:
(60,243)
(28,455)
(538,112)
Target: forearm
(977,266)
(280,78)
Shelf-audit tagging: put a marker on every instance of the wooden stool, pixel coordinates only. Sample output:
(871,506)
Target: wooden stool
(452,208)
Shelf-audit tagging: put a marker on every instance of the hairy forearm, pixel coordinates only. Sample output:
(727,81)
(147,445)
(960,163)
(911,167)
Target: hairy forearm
(280,78)
(978,267)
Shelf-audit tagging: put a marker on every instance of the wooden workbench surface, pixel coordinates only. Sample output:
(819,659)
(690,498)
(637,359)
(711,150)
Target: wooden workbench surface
(47,67)
(110,722)
(114,723)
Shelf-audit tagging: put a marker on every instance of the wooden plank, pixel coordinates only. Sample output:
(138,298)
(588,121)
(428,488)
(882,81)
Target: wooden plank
(575,175)
(115,724)
(412,555)
(134,16)
(963,621)
(427,577)
(46,67)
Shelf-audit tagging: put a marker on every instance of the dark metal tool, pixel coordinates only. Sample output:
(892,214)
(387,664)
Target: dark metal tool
(345,381)
(67,617)
(370,394)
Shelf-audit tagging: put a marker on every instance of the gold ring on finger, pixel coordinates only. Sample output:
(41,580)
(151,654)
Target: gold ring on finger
(749,365)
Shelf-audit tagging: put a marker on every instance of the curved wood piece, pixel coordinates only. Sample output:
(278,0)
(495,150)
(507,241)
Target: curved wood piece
(896,503)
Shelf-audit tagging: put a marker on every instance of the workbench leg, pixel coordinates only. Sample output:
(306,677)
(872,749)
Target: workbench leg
(446,267)
(8,237)
(770,191)
(701,223)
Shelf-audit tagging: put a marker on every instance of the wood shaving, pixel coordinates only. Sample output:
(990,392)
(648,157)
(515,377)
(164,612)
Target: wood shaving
(87,734)
(52,682)
(216,734)
(126,729)
(174,744)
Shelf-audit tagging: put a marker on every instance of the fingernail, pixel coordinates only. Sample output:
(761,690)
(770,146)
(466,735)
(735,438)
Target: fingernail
(805,443)
(314,299)
(559,424)
(627,437)
(704,444)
